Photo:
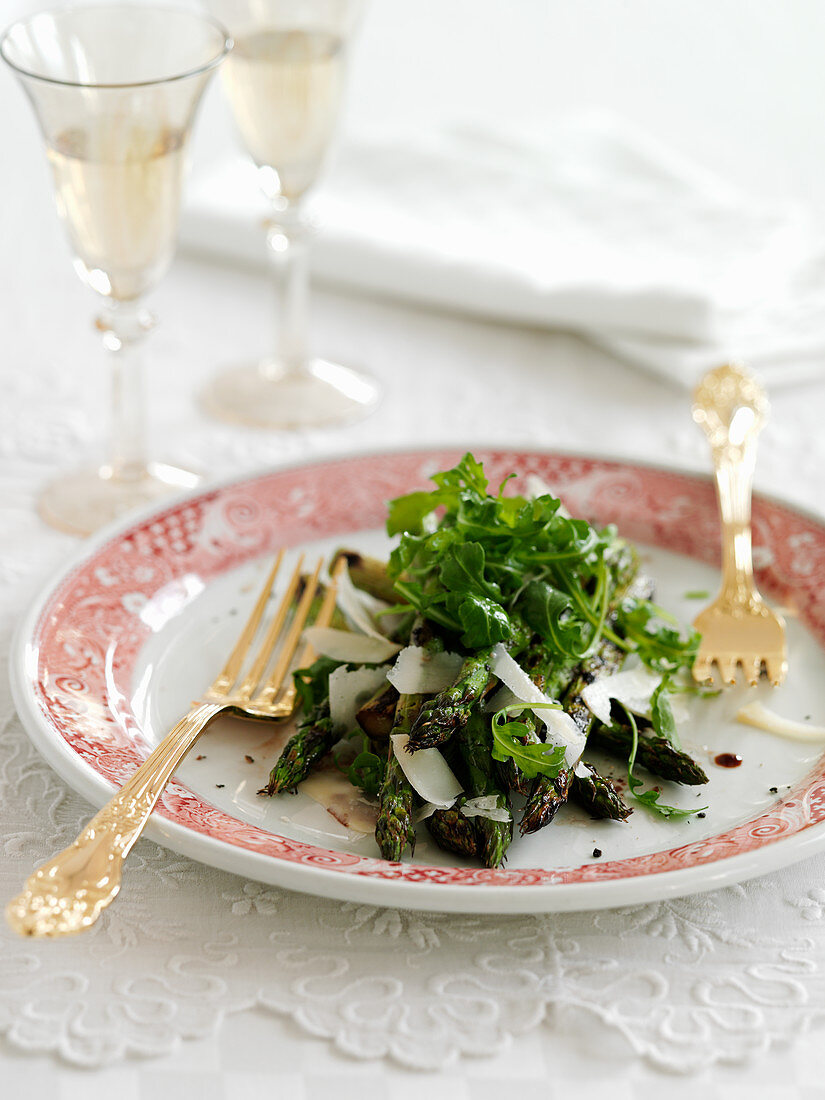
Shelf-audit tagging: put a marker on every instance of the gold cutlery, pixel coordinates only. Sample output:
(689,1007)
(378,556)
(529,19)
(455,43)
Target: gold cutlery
(68,893)
(738,628)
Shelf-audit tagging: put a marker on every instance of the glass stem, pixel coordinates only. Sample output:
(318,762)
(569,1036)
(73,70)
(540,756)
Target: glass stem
(124,326)
(288,243)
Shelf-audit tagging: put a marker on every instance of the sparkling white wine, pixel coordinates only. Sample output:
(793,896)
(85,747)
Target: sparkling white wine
(118,189)
(285,88)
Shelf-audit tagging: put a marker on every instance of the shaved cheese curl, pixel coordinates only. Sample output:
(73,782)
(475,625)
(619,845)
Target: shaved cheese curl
(632,687)
(345,645)
(418,672)
(349,689)
(354,605)
(428,773)
(758,715)
(485,805)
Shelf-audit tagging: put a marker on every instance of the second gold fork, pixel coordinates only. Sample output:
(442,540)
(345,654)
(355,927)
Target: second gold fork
(738,628)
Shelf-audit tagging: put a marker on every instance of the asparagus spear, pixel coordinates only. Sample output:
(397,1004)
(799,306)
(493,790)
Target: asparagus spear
(656,754)
(337,619)
(598,796)
(369,574)
(454,832)
(448,711)
(394,829)
(549,794)
(474,744)
(377,715)
(313,739)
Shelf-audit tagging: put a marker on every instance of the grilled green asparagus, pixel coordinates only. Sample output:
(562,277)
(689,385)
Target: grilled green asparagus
(656,754)
(474,745)
(394,829)
(314,738)
(454,832)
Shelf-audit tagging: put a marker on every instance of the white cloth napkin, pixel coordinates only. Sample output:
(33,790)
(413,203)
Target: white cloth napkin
(594,228)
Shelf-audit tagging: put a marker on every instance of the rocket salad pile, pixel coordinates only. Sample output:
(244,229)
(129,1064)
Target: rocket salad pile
(472,672)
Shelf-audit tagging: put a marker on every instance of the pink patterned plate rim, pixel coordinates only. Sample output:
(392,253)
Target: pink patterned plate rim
(83,644)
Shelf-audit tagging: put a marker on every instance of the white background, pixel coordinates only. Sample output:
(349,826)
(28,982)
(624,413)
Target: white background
(738,84)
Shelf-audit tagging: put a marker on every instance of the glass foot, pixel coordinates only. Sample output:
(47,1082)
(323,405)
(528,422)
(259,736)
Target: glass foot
(86,500)
(265,396)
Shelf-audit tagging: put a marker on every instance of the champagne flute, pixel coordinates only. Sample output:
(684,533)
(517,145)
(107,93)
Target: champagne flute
(285,84)
(115,89)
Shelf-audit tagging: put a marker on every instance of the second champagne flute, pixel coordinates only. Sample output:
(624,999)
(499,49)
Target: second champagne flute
(285,83)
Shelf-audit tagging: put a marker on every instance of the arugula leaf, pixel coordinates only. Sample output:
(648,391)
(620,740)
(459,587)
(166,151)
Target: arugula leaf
(367,772)
(656,636)
(485,622)
(532,758)
(462,570)
(312,683)
(661,713)
(468,472)
(407,513)
(550,613)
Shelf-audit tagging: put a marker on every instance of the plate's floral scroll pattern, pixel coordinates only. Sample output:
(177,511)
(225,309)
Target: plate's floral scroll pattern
(93,624)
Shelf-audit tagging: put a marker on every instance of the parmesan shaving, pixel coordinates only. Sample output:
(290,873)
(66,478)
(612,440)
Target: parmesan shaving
(486,805)
(348,690)
(354,605)
(500,699)
(423,812)
(428,773)
(632,687)
(560,729)
(344,645)
(418,672)
(758,715)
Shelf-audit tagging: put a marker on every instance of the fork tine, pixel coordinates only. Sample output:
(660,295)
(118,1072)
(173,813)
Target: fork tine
(777,668)
(702,668)
(752,667)
(287,701)
(258,668)
(325,611)
(727,669)
(273,685)
(229,673)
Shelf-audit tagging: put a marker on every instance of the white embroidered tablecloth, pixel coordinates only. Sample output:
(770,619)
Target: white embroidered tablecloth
(717,977)
(189,955)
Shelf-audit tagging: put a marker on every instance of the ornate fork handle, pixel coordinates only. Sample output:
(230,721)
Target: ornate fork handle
(68,893)
(732,408)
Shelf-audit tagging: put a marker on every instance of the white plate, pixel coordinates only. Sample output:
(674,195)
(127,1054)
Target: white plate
(117,646)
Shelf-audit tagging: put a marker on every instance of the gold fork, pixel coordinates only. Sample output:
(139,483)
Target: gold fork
(68,893)
(738,628)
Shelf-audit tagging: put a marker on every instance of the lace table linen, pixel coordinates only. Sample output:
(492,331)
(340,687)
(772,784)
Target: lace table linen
(714,978)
